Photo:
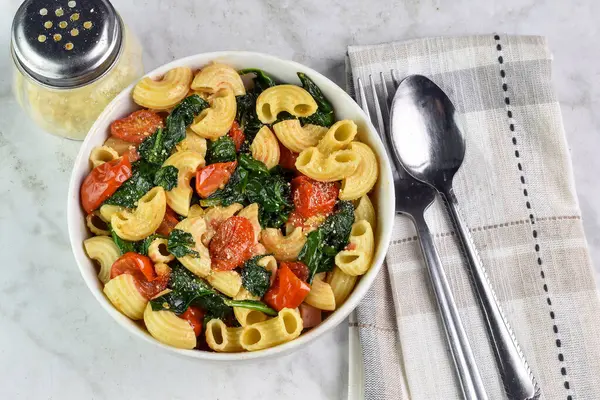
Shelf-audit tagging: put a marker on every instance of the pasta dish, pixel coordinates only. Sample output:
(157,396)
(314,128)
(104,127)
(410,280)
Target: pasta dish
(230,212)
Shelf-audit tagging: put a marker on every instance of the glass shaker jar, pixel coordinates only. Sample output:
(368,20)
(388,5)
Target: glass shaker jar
(70,61)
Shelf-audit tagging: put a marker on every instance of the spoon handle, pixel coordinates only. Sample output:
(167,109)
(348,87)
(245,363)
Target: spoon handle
(517,378)
(468,373)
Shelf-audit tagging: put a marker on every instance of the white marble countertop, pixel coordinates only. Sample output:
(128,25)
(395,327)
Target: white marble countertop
(55,340)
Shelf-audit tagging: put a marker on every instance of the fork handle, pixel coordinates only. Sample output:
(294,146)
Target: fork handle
(467,370)
(517,378)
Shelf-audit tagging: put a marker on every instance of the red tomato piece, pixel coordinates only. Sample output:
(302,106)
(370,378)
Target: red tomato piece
(287,158)
(288,291)
(298,268)
(195,317)
(213,177)
(232,244)
(103,181)
(313,197)
(137,126)
(168,223)
(142,269)
(237,134)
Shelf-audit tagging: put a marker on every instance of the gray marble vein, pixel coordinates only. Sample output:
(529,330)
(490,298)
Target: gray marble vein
(55,340)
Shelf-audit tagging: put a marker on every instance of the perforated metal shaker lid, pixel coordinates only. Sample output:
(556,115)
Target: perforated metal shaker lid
(66,44)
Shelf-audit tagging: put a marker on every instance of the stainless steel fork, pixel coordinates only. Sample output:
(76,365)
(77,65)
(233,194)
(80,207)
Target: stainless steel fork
(412,199)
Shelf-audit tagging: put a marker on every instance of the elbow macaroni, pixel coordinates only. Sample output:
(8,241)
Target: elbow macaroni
(284,248)
(246,316)
(193,143)
(144,220)
(216,121)
(338,136)
(166,327)
(221,338)
(157,251)
(92,220)
(123,293)
(108,210)
(101,155)
(218,76)
(265,147)
(186,162)
(226,282)
(321,296)
(297,138)
(363,179)
(105,252)
(358,260)
(333,167)
(164,93)
(365,210)
(286,326)
(199,266)
(290,98)
(341,284)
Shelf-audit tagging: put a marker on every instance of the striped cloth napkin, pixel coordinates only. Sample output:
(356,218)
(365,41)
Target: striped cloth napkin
(518,197)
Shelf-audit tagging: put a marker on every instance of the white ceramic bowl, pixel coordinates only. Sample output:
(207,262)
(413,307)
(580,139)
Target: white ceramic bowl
(284,71)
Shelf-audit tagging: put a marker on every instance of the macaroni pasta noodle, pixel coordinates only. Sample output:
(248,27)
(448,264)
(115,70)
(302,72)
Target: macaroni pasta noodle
(358,260)
(284,248)
(296,137)
(321,296)
(104,251)
(283,328)
(96,224)
(192,142)
(216,121)
(108,210)
(327,168)
(221,338)
(265,147)
(101,155)
(199,265)
(365,210)
(338,136)
(157,251)
(186,162)
(363,179)
(246,316)
(290,98)
(226,282)
(144,220)
(164,93)
(125,296)
(341,285)
(218,76)
(168,328)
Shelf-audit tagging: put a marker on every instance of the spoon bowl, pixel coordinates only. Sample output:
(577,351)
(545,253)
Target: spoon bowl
(429,143)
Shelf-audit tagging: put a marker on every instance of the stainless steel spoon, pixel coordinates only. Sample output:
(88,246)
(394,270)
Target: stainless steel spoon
(431,147)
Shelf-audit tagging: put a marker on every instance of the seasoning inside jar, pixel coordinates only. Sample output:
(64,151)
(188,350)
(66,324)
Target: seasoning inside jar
(70,62)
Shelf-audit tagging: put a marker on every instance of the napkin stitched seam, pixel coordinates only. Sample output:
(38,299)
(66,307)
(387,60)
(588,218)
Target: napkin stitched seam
(364,325)
(532,218)
(492,227)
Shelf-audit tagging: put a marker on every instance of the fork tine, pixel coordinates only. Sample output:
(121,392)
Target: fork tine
(395,78)
(384,89)
(362,98)
(385,111)
(378,114)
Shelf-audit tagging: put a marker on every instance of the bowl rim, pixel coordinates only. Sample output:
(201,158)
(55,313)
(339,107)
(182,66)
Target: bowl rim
(74,213)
